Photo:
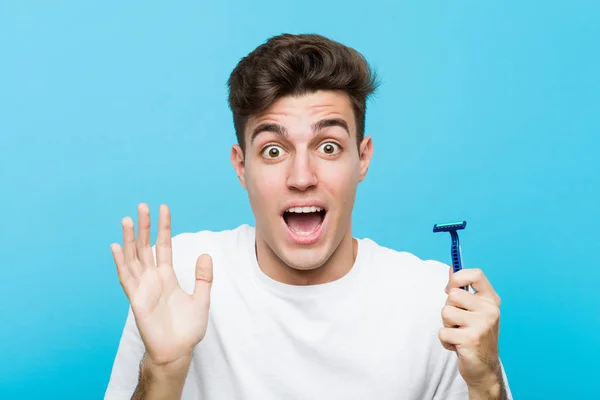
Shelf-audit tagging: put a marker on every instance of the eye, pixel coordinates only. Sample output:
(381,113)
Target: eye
(272,151)
(330,148)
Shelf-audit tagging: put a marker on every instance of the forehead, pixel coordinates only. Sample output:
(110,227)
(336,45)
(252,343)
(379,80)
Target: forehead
(306,109)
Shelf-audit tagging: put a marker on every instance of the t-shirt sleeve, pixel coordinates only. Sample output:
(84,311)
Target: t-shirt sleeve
(506,385)
(125,371)
(451,384)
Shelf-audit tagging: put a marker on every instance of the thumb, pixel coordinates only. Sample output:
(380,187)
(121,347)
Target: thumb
(204,278)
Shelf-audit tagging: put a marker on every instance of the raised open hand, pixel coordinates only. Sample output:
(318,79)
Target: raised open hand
(171,322)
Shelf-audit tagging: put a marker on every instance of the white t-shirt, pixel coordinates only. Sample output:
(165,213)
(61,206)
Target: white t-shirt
(370,335)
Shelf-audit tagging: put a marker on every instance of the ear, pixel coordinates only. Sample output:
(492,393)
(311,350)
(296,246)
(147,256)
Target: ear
(237,161)
(365,154)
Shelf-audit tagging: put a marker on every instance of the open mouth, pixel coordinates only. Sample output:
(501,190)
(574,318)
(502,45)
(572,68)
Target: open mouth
(304,221)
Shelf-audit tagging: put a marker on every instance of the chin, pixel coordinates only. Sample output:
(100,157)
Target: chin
(303,260)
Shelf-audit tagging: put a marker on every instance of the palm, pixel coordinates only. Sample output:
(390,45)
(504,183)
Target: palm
(171,322)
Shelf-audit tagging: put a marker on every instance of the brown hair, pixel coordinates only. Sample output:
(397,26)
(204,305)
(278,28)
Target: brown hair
(295,65)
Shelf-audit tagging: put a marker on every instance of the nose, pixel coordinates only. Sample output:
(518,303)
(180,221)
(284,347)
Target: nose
(301,174)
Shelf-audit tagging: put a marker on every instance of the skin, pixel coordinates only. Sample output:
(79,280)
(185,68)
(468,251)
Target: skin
(170,321)
(324,165)
(304,168)
(471,329)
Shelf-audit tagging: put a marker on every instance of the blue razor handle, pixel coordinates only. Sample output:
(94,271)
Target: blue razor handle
(455,250)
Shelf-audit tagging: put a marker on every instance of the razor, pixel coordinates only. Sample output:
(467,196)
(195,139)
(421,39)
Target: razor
(455,250)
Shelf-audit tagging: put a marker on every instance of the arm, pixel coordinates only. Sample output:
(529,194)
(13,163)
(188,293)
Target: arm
(453,386)
(161,381)
(471,329)
(164,323)
(492,389)
(131,378)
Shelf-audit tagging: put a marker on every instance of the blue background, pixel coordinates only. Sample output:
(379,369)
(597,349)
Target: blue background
(488,111)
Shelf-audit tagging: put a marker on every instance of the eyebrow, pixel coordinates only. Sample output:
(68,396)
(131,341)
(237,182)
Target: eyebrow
(282,131)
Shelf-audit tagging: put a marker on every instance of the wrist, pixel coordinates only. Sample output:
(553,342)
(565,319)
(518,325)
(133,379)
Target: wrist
(162,381)
(489,389)
(167,370)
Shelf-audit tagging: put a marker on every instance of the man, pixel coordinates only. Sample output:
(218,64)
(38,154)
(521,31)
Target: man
(296,307)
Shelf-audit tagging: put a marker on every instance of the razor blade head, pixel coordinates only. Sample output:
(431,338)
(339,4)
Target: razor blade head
(451,226)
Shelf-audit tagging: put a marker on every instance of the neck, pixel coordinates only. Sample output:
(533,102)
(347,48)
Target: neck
(339,264)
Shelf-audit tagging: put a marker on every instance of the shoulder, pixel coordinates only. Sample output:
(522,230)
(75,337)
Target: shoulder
(404,268)
(409,287)
(188,246)
(207,240)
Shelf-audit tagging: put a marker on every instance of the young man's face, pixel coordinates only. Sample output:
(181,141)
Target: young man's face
(301,170)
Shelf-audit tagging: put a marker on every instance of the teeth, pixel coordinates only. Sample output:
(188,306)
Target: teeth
(300,210)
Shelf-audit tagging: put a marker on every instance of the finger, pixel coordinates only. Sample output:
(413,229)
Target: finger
(481,312)
(129,250)
(122,268)
(144,250)
(455,317)
(164,253)
(450,273)
(477,279)
(204,279)
(448,346)
(454,336)
(466,300)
